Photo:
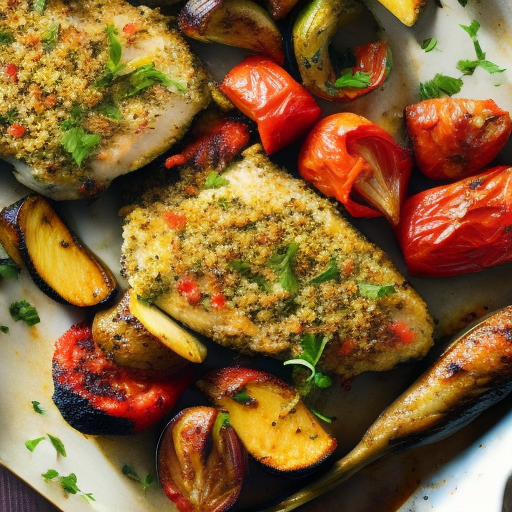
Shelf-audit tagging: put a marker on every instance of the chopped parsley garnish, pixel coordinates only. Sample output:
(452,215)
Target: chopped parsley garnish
(68,483)
(6,38)
(282,265)
(321,416)
(51,37)
(4,329)
(472,31)
(9,269)
(242,397)
(375,291)
(37,407)
(39,6)
(32,443)
(57,444)
(79,143)
(146,482)
(245,269)
(110,111)
(215,180)
(331,273)
(9,117)
(147,76)
(428,44)
(115,52)
(357,80)
(440,85)
(23,311)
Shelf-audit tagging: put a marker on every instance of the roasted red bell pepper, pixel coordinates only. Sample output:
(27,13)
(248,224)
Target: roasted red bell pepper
(99,398)
(459,228)
(267,94)
(348,157)
(454,138)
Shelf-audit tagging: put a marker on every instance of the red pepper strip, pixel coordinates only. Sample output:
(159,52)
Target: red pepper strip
(454,138)
(267,94)
(459,228)
(97,397)
(347,157)
(219,141)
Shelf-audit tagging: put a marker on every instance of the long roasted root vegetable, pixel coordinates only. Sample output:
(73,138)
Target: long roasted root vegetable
(474,373)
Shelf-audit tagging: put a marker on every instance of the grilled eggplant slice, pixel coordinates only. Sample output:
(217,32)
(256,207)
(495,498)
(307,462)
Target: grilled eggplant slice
(274,425)
(201,462)
(128,343)
(168,332)
(35,236)
(97,397)
(240,23)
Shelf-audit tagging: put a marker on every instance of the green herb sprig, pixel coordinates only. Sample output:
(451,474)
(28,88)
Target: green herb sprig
(22,310)
(146,481)
(68,483)
(283,265)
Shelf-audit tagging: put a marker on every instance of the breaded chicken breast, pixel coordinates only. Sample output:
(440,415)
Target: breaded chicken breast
(259,262)
(90,90)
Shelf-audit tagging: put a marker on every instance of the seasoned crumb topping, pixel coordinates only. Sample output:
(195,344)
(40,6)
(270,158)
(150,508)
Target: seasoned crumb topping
(228,245)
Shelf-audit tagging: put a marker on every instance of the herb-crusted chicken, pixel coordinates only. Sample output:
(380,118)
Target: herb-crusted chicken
(257,261)
(90,90)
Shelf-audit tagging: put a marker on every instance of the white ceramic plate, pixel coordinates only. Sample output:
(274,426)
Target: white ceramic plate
(465,473)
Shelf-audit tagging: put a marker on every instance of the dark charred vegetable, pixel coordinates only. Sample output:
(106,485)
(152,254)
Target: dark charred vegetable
(201,462)
(274,425)
(454,138)
(124,339)
(97,397)
(240,23)
(33,235)
(474,373)
(313,32)
(459,228)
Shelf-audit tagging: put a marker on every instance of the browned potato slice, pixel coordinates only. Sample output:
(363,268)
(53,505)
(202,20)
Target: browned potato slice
(34,235)
(240,23)
(201,462)
(274,425)
(407,11)
(128,343)
(167,330)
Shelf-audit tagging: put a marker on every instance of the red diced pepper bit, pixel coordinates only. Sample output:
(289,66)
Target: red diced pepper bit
(11,71)
(16,131)
(174,160)
(402,332)
(347,347)
(175,219)
(188,287)
(130,29)
(218,301)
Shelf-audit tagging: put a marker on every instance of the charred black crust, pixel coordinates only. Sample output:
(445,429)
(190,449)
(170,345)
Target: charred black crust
(85,418)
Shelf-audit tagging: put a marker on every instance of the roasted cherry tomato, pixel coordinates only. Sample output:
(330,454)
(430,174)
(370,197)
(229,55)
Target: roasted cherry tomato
(454,138)
(99,398)
(267,94)
(459,228)
(348,157)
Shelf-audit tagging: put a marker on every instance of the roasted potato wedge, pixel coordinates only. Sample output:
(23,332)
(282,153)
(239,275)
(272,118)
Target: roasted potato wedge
(35,236)
(407,11)
(274,425)
(128,343)
(201,462)
(240,23)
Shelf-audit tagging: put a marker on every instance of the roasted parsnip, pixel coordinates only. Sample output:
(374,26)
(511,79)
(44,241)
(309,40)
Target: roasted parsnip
(35,236)
(240,23)
(274,425)
(473,373)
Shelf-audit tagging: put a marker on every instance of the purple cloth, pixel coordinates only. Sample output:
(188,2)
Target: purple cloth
(17,496)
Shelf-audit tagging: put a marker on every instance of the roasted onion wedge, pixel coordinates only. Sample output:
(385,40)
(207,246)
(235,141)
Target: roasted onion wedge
(240,23)
(201,462)
(274,425)
(35,236)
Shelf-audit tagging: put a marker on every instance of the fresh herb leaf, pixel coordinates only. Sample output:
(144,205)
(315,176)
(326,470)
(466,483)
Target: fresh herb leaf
(50,474)
(375,291)
(428,44)
(215,180)
(463,2)
(322,381)
(313,345)
(79,143)
(110,111)
(490,67)
(472,31)
(4,329)
(9,269)
(321,416)
(146,76)
(303,362)
(221,420)
(57,444)
(357,80)
(331,273)
(6,38)
(32,443)
(468,66)
(130,472)
(50,37)
(37,407)
(39,6)
(9,117)
(245,269)
(115,50)
(68,483)
(242,397)
(282,265)
(440,85)
(22,310)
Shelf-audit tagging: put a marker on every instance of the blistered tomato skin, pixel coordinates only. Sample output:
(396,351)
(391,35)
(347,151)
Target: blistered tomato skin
(454,138)
(459,228)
